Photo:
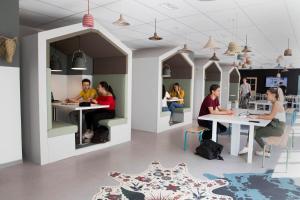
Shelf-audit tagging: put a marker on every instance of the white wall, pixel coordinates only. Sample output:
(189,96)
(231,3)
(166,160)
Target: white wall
(67,86)
(10,115)
(144,93)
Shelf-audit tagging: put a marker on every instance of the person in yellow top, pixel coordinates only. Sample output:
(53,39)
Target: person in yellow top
(176,93)
(87,93)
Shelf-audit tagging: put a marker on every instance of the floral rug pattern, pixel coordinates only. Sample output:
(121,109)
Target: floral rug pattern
(159,183)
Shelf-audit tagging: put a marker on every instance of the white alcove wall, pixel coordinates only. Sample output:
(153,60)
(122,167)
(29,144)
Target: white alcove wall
(230,83)
(203,82)
(35,59)
(147,90)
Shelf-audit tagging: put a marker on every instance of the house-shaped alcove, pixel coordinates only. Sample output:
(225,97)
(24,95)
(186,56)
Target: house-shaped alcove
(206,74)
(108,59)
(234,86)
(148,79)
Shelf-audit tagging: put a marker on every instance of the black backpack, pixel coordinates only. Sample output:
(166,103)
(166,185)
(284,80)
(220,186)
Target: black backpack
(100,135)
(210,150)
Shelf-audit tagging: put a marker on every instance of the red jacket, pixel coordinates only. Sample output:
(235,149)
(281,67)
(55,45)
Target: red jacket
(107,100)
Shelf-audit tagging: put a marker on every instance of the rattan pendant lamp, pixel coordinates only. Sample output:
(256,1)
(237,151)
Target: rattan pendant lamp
(288,51)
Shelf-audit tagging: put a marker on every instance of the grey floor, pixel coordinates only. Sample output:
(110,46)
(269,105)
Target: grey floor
(80,177)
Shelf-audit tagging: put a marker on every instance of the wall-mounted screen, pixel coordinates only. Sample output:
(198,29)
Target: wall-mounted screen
(275,81)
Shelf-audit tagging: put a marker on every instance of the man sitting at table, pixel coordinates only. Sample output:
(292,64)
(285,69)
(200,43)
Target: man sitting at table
(211,105)
(87,93)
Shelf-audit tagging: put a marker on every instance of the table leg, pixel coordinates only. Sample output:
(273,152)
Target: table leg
(80,126)
(250,143)
(235,139)
(255,106)
(214,131)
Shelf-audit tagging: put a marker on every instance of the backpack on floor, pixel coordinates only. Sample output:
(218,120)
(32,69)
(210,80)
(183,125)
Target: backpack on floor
(210,150)
(100,135)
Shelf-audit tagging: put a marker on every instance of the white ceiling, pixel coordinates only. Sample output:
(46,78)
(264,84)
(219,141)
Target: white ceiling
(268,23)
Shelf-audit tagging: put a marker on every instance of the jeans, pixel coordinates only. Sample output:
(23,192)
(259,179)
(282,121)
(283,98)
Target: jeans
(93,118)
(207,135)
(173,106)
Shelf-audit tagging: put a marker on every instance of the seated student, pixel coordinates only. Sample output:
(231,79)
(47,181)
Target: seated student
(176,92)
(106,97)
(165,96)
(86,94)
(274,128)
(211,105)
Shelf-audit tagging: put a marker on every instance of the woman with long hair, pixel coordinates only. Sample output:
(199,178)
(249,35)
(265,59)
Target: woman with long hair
(106,97)
(275,127)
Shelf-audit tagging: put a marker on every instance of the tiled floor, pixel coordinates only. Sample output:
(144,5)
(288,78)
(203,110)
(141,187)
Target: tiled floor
(78,178)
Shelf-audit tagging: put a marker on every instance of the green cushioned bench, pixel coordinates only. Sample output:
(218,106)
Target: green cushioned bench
(113,122)
(61,128)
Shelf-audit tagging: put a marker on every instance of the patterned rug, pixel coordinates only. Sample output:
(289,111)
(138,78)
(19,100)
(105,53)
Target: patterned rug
(248,186)
(159,183)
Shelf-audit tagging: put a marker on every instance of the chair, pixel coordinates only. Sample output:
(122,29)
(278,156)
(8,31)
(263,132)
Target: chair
(194,130)
(281,141)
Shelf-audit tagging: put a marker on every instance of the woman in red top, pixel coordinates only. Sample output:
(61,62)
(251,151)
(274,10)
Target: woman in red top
(106,97)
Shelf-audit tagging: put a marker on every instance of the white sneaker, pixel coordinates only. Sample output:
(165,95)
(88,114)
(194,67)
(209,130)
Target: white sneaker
(261,153)
(243,151)
(88,135)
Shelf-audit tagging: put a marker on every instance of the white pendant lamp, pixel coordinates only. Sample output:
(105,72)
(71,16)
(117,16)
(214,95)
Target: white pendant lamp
(211,44)
(185,49)
(121,21)
(155,36)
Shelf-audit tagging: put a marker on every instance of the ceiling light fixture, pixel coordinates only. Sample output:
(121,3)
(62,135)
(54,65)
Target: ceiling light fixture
(121,21)
(233,47)
(155,36)
(78,59)
(211,44)
(185,49)
(88,19)
(288,51)
(246,49)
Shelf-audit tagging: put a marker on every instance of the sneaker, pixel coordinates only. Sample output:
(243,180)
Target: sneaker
(261,153)
(243,151)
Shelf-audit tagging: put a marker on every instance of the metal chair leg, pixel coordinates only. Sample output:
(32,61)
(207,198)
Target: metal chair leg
(263,158)
(200,136)
(287,159)
(185,140)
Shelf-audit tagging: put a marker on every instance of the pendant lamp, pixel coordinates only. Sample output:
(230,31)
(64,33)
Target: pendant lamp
(166,71)
(288,51)
(78,59)
(185,49)
(211,44)
(88,19)
(246,49)
(285,69)
(278,75)
(121,21)
(55,64)
(155,36)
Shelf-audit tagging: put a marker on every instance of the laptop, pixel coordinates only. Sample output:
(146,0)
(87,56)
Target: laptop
(53,100)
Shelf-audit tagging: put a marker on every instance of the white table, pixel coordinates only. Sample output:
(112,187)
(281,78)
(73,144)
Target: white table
(174,100)
(236,120)
(75,106)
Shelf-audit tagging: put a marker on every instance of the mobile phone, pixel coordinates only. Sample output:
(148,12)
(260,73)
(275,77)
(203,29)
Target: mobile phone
(253,121)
